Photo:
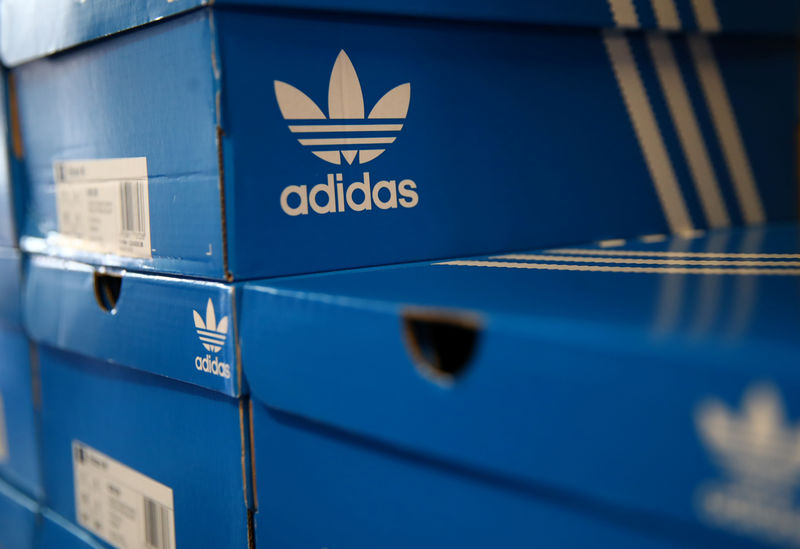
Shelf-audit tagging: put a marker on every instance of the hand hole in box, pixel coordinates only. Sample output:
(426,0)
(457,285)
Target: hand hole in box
(107,288)
(441,343)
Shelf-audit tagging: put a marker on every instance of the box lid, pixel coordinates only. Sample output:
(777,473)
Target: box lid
(575,369)
(179,328)
(25,35)
(10,287)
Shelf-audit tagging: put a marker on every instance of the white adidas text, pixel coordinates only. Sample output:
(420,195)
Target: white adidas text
(213,366)
(358,196)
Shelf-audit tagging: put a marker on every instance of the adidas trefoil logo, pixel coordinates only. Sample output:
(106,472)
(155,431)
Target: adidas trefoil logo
(330,139)
(211,333)
(759,450)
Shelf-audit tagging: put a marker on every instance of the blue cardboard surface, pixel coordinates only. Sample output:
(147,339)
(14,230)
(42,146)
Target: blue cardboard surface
(20,462)
(58,533)
(480,124)
(189,439)
(178,328)
(655,376)
(26,35)
(18,519)
(362,495)
(10,288)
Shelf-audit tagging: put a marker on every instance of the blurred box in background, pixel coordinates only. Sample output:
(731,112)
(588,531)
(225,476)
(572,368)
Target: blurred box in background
(583,377)
(20,462)
(145,441)
(245,143)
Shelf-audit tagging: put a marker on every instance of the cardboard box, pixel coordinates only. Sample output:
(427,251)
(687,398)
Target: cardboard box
(653,377)
(18,519)
(235,143)
(140,388)
(20,463)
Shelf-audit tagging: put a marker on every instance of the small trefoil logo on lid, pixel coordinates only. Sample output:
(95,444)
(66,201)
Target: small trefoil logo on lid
(212,335)
(759,451)
(346,133)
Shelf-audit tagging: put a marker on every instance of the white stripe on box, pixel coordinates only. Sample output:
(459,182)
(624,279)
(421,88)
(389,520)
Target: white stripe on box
(653,260)
(623,269)
(692,143)
(671,295)
(647,131)
(624,13)
(706,15)
(671,253)
(727,129)
(708,298)
(666,14)
(746,289)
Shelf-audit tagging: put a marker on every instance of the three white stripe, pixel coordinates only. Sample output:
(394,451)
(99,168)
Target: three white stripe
(706,15)
(683,115)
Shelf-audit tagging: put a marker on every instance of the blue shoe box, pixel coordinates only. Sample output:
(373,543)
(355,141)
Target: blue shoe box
(145,438)
(652,381)
(246,141)
(19,519)
(19,407)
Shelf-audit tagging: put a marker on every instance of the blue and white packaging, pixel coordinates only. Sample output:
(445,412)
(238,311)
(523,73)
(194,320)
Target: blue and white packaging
(19,407)
(653,380)
(239,143)
(18,519)
(145,440)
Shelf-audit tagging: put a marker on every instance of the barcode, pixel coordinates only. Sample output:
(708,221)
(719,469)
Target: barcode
(132,198)
(157,533)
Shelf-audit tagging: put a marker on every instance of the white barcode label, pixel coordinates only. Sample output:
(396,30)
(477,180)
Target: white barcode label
(157,532)
(120,505)
(103,206)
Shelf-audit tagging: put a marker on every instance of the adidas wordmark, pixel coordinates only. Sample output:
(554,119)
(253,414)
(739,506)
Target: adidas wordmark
(357,196)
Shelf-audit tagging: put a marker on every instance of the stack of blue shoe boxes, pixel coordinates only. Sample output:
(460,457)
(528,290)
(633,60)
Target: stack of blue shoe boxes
(172,157)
